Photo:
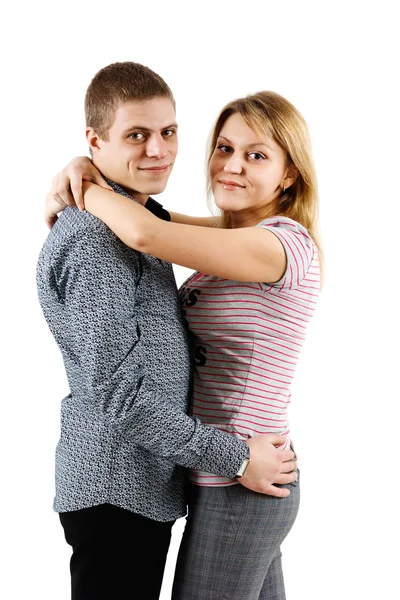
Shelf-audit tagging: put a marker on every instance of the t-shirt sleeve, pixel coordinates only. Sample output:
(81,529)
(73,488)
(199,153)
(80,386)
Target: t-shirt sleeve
(299,249)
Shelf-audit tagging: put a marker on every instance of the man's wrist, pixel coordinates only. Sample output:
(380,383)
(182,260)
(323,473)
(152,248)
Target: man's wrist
(243,467)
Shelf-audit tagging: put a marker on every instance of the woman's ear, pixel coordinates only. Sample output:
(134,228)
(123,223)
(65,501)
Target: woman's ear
(290,177)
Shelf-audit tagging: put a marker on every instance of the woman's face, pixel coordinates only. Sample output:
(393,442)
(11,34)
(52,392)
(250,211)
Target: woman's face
(247,173)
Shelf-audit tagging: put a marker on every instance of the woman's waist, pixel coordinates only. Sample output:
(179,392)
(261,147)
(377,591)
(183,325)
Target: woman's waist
(241,416)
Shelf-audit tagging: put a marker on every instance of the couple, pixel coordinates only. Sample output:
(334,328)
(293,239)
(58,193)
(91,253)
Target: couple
(107,290)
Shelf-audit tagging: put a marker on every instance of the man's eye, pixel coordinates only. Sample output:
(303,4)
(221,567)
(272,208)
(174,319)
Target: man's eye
(168,132)
(257,156)
(224,148)
(136,136)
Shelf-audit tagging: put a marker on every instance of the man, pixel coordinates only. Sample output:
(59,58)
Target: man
(125,435)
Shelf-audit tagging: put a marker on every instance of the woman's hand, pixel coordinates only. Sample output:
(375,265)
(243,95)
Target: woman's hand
(66,187)
(51,209)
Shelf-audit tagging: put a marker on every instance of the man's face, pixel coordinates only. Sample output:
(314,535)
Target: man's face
(141,149)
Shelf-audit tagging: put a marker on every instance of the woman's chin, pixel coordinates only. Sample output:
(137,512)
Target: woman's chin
(226,204)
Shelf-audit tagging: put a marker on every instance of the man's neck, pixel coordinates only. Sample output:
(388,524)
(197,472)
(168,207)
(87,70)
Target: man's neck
(139,198)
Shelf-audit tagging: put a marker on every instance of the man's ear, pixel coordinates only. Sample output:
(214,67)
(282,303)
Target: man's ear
(93,139)
(290,176)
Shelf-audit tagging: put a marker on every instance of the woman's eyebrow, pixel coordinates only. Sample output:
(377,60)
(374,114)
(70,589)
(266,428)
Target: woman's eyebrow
(249,145)
(261,144)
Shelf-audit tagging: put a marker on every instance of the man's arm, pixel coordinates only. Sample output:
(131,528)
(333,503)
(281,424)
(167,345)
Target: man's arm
(102,347)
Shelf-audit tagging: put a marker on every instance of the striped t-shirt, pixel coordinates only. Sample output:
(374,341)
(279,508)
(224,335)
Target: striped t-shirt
(246,339)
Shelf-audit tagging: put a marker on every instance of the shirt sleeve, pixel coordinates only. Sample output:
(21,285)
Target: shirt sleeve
(299,249)
(99,338)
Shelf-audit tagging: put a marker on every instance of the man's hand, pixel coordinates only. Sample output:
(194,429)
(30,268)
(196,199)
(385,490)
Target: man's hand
(269,466)
(67,184)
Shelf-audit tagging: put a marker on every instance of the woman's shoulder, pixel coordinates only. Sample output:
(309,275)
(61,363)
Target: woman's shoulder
(280,221)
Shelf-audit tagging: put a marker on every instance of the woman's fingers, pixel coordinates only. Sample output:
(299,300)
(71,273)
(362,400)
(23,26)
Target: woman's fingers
(98,179)
(61,190)
(76,190)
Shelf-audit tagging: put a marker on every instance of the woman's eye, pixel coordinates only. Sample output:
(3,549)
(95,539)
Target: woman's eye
(224,148)
(136,136)
(257,156)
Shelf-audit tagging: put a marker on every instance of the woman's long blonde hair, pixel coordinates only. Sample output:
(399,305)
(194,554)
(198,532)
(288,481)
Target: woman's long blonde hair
(270,115)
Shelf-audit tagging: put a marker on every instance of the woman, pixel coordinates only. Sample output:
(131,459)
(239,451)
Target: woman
(247,307)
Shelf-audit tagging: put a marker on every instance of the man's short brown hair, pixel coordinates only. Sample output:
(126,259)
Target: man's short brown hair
(116,84)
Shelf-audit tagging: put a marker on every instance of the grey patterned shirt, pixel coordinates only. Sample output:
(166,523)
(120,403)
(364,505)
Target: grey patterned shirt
(125,435)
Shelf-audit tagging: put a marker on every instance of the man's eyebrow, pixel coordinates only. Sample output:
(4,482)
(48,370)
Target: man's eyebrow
(249,145)
(148,130)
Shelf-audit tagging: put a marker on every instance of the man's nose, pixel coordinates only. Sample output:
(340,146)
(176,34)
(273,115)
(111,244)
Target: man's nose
(156,147)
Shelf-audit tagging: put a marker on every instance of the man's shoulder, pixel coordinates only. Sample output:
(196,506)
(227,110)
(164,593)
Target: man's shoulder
(73,224)
(77,228)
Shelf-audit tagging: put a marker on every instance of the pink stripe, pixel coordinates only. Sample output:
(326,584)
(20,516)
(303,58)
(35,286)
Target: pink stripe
(214,360)
(245,401)
(204,417)
(308,287)
(248,394)
(214,322)
(216,484)
(295,295)
(204,372)
(229,294)
(278,351)
(300,336)
(244,384)
(272,340)
(275,301)
(244,433)
(235,286)
(196,399)
(195,277)
(271,302)
(209,282)
(247,308)
(210,340)
(281,360)
(237,407)
(286,236)
(284,224)
(304,253)
(261,431)
(203,413)
(210,476)
(210,364)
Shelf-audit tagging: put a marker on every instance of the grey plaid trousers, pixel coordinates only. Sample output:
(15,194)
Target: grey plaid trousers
(230,548)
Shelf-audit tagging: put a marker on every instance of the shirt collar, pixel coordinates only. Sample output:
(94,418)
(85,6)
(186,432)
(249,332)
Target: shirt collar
(152,205)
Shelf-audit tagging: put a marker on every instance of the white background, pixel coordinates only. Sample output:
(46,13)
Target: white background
(338,63)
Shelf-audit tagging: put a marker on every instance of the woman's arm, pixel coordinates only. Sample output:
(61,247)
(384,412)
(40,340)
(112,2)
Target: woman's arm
(198,221)
(67,191)
(246,254)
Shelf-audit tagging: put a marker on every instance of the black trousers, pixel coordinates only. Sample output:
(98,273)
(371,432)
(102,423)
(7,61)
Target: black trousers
(116,554)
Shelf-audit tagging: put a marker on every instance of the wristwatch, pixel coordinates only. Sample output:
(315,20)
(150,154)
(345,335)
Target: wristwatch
(244,465)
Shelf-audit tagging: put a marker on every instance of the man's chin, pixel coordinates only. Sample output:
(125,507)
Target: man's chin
(150,188)
(155,187)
